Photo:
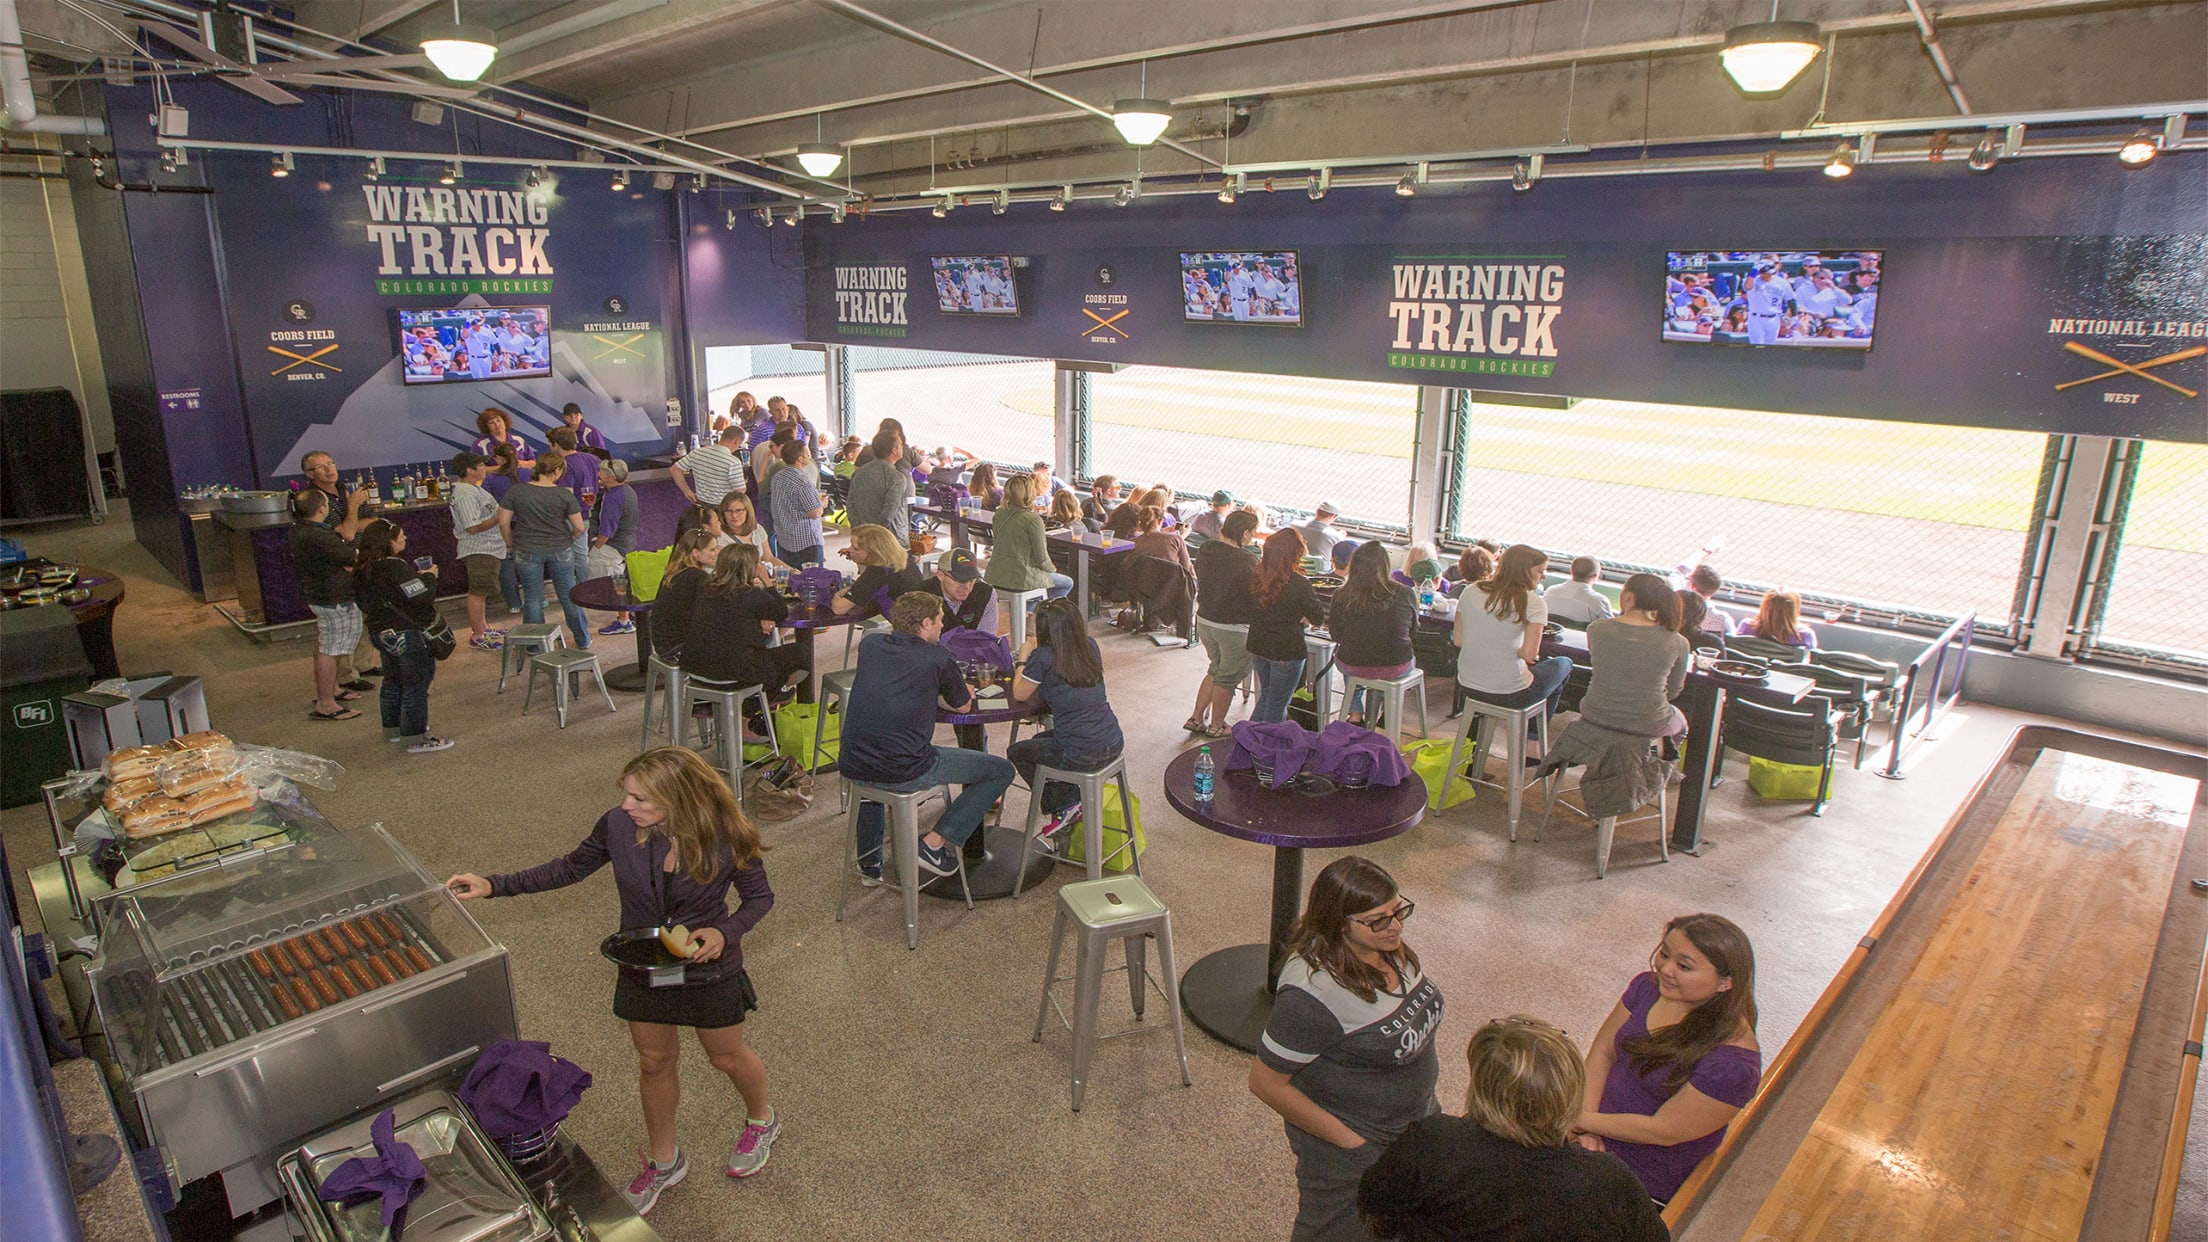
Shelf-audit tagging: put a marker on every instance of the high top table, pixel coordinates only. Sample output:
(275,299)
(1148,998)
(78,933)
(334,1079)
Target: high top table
(995,854)
(1229,993)
(610,595)
(1083,549)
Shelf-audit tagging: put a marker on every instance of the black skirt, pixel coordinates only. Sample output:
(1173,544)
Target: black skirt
(723,1002)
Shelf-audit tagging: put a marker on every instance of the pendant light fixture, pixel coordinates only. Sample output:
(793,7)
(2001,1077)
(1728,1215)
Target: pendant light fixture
(817,158)
(1142,120)
(460,51)
(1764,57)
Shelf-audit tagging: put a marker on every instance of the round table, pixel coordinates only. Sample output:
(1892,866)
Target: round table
(995,855)
(95,618)
(610,595)
(1229,993)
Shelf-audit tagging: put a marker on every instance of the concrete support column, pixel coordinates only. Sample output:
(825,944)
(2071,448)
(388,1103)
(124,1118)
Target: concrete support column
(1065,425)
(1429,465)
(2073,547)
(836,368)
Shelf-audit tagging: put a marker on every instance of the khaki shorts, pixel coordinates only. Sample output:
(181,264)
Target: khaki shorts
(482,573)
(1229,650)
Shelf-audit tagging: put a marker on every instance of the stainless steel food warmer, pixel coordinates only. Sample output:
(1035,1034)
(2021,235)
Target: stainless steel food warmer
(255,1002)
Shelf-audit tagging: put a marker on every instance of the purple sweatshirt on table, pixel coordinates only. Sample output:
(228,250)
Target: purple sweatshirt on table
(652,896)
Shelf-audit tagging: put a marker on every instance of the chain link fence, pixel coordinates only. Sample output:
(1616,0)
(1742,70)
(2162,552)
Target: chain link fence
(1286,443)
(1905,518)
(2162,561)
(998,409)
(797,376)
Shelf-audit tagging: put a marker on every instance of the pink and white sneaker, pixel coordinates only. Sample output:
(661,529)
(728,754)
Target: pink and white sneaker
(753,1147)
(652,1180)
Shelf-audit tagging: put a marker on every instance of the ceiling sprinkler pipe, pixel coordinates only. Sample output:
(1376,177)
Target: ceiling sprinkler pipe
(15,86)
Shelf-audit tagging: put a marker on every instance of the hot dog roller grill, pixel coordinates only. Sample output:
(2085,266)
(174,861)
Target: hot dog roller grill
(251,1004)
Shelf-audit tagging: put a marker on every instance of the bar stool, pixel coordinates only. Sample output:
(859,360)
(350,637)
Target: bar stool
(1392,691)
(1121,908)
(902,810)
(665,680)
(853,631)
(1487,718)
(1606,826)
(1017,603)
(726,698)
(1318,664)
(835,695)
(1092,815)
(524,640)
(563,665)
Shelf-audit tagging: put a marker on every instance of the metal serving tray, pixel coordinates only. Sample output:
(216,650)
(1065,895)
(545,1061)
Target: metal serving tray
(472,1193)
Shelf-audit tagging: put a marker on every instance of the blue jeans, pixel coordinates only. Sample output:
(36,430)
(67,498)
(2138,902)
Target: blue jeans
(509,582)
(408,668)
(560,566)
(580,554)
(1060,586)
(984,776)
(1045,750)
(1276,684)
(1548,678)
(797,558)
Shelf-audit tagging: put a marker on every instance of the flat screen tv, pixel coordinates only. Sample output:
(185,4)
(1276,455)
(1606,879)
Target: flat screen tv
(469,344)
(975,284)
(1802,299)
(1242,286)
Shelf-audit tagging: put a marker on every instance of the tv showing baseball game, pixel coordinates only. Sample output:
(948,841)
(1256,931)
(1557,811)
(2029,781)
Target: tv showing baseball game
(976,284)
(468,344)
(1804,299)
(1242,286)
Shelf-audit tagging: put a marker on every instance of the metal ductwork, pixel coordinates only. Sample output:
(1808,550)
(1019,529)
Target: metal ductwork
(15,87)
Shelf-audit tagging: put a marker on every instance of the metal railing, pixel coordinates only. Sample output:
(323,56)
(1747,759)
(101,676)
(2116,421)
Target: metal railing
(1940,689)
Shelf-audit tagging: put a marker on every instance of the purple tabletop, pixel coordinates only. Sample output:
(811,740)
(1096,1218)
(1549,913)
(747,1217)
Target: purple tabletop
(1004,709)
(1243,809)
(816,617)
(607,595)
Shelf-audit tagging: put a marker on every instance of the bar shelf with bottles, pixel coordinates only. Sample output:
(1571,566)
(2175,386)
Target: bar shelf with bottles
(414,497)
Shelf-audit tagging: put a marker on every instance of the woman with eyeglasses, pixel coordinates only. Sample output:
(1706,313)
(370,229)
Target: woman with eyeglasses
(1348,1059)
(1508,1170)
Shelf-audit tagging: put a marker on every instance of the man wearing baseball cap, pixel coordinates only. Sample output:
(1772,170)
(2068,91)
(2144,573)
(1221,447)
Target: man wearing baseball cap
(1208,522)
(968,602)
(1319,535)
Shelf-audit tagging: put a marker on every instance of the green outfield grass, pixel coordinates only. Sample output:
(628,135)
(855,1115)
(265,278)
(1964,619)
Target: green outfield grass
(1959,475)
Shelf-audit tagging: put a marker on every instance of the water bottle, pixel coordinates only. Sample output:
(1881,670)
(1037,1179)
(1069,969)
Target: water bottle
(1204,769)
(1426,594)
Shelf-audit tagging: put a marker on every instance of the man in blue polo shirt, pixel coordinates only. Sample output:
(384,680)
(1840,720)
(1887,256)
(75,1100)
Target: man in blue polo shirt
(889,735)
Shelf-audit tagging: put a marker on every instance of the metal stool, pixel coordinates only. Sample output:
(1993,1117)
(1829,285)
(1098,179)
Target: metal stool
(1487,718)
(1121,908)
(523,640)
(1392,691)
(564,665)
(1606,826)
(1092,815)
(853,631)
(727,700)
(1318,665)
(1016,603)
(835,693)
(665,680)
(903,813)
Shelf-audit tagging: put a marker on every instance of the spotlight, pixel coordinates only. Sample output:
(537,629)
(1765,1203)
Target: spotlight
(1985,155)
(2138,150)
(1231,188)
(375,168)
(534,179)
(1142,121)
(732,217)
(99,168)
(168,160)
(796,213)
(1319,183)
(1521,177)
(819,159)
(620,180)
(943,208)
(1842,162)
(836,213)
(279,165)
(1061,197)
(697,183)
(450,174)
(765,217)
(1764,57)
(1123,195)
(1002,204)
(1407,187)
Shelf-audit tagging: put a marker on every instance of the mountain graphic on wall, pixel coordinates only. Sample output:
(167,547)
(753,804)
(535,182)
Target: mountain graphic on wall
(386,421)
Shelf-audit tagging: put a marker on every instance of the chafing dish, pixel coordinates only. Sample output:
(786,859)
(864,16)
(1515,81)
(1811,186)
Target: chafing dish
(471,1193)
(249,1003)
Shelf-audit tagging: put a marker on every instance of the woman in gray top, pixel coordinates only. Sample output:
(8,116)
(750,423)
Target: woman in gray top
(1640,662)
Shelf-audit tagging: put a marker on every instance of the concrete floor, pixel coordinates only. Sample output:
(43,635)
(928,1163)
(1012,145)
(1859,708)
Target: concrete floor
(908,1088)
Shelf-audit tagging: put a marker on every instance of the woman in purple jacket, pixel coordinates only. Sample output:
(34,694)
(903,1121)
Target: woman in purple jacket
(678,843)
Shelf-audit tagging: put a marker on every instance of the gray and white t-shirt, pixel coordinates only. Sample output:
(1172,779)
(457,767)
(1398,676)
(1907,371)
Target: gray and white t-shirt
(473,506)
(1370,1063)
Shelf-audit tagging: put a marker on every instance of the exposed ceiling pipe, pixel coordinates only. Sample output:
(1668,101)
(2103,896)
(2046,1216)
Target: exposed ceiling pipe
(15,86)
(1932,48)
(871,18)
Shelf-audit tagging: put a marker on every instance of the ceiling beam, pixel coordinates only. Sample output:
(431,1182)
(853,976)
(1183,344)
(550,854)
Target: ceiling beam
(638,29)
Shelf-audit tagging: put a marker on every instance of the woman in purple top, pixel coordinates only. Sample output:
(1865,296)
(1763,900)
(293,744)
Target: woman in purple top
(678,844)
(496,431)
(1779,619)
(1677,1057)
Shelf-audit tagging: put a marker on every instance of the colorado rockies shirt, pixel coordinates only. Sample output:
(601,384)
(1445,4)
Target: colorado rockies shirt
(1370,1063)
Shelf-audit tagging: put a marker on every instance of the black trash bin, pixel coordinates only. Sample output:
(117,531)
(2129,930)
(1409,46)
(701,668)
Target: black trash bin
(41,660)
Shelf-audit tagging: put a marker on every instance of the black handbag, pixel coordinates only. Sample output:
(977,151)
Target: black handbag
(442,641)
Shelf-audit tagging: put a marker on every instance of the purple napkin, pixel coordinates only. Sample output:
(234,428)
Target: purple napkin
(1344,747)
(395,1173)
(975,647)
(1284,747)
(518,1087)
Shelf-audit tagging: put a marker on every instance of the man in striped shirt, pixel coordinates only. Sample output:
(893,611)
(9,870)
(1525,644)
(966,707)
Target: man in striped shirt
(707,474)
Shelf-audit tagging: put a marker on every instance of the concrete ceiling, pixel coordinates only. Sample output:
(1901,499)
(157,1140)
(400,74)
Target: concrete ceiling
(1296,82)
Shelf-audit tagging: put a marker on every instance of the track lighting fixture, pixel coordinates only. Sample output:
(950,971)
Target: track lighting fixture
(1407,187)
(375,168)
(2138,150)
(1231,188)
(836,212)
(697,183)
(534,179)
(1521,176)
(168,160)
(279,165)
(1984,155)
(1842,162)
(943,208)
(1062,196)
(765,217)
(1319,183)
(620,180)
(450,174)
(796,213)
(1126,194)
(732,218)
(1002,204)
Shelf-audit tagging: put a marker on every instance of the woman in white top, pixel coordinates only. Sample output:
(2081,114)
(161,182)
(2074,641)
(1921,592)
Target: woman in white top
(1498,634)
(740,524)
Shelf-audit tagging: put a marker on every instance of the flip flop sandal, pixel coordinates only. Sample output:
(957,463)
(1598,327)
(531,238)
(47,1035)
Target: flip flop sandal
(347,696)
(1218,731)
(342,713)
(1192,725)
